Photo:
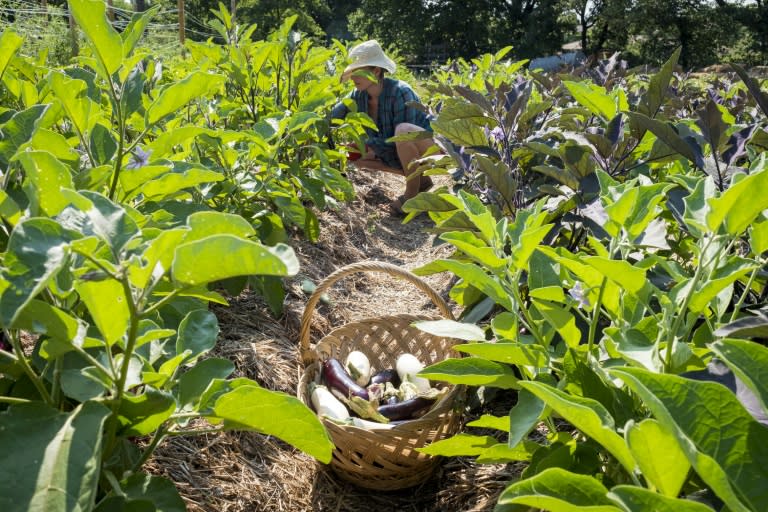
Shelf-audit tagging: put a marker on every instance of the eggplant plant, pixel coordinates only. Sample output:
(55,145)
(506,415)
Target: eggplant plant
(603,309)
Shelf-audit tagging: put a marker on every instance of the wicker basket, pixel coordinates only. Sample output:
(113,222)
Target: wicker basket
(383,459)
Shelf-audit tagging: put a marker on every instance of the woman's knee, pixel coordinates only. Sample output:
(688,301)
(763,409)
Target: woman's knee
(407,127)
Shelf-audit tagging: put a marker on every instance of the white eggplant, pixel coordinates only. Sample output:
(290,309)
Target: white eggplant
(407,367)
(326,404)
(371,425)
(359,367)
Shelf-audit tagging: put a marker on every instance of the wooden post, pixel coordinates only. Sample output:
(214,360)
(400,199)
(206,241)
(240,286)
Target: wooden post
(110,10)
(180,4)
(233,8)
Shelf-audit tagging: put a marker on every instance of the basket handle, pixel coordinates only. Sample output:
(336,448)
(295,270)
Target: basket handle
(362,266)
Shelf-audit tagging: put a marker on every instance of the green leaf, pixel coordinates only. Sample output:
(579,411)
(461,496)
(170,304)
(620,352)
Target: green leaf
(719,281)
(637,499)
(562,320)
(472,371)
(667,134)
(593,97)
(194,382)
(50,459)
(524,416)
(157,257)
(758,236)
(103,144)
(221,256)
(659,84)
(72,93)
(19,130)
(37,250)
(558,490)
(460,445)
(475,275)
(661,460)
(502,453)
(170,183)
(627,276)
(490,421)
(510,353)
(108,306)
(104,41)
(9,209)
(462,132)
(587,415)
(723,443)
(198,84)
(277,414)
(203,224)
(64,330)
(136,28)
(57,145)
(635,208)
(197,333)
(143,414)
(471,245)
(749,361)
(451,329)
(159,492)
(10,42)
(739,206)
(48,177)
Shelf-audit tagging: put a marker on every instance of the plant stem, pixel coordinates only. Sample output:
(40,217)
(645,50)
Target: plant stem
(22,360)
(157,438)
(596,316)
(743,297)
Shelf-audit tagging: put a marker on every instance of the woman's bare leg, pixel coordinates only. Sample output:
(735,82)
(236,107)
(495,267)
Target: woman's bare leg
(407,152)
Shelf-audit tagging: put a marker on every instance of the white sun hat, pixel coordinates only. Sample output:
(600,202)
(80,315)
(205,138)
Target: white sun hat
(367,54)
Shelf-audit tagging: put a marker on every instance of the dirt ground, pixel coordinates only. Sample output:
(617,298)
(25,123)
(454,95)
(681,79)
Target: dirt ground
(250,472)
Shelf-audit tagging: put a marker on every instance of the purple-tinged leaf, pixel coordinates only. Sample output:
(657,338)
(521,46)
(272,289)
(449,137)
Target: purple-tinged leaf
(753,86)
(737,144)
(711,123)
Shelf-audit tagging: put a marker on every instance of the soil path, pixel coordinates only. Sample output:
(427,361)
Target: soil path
(248,472)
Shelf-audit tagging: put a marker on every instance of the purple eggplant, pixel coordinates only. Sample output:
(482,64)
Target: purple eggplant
(339,381)
(384,376)
(407,409)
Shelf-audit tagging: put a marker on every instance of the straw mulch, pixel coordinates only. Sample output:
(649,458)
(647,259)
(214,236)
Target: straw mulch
(249,472)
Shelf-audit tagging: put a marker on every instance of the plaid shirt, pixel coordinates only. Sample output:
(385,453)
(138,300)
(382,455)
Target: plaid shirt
(393,110)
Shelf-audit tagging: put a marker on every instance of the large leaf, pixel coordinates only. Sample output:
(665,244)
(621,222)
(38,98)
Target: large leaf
(81,110)
(524,416)
(10,42)
(104,41)
(18,130)
(593,97)
(460,445)
(143,414)
(48,177)
(197,333)
(475,275)
(194,382)
(587,415)
(37,250)
(754,88)
(50,460)
(175,96)
(451,329)
(558,490)
(749,361)
(221,256)
(108,306)
(638,499)
(473,371)
(723,443)
(739,206)
(669,136)
(660,458)
(659,84)
(277,414)
(510,353)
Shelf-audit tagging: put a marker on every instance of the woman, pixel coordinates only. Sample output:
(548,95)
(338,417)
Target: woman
(386,101)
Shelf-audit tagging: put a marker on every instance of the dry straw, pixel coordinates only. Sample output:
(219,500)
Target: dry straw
(383,459)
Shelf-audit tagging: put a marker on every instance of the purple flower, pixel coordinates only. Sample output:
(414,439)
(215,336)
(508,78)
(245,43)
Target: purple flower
(497,134)
(577,292)
(139,158)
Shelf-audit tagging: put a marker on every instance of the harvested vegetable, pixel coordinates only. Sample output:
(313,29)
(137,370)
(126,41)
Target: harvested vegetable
(384,376)
(326,404)
(408,409)
(359,367)
(339,382)
(407,367)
